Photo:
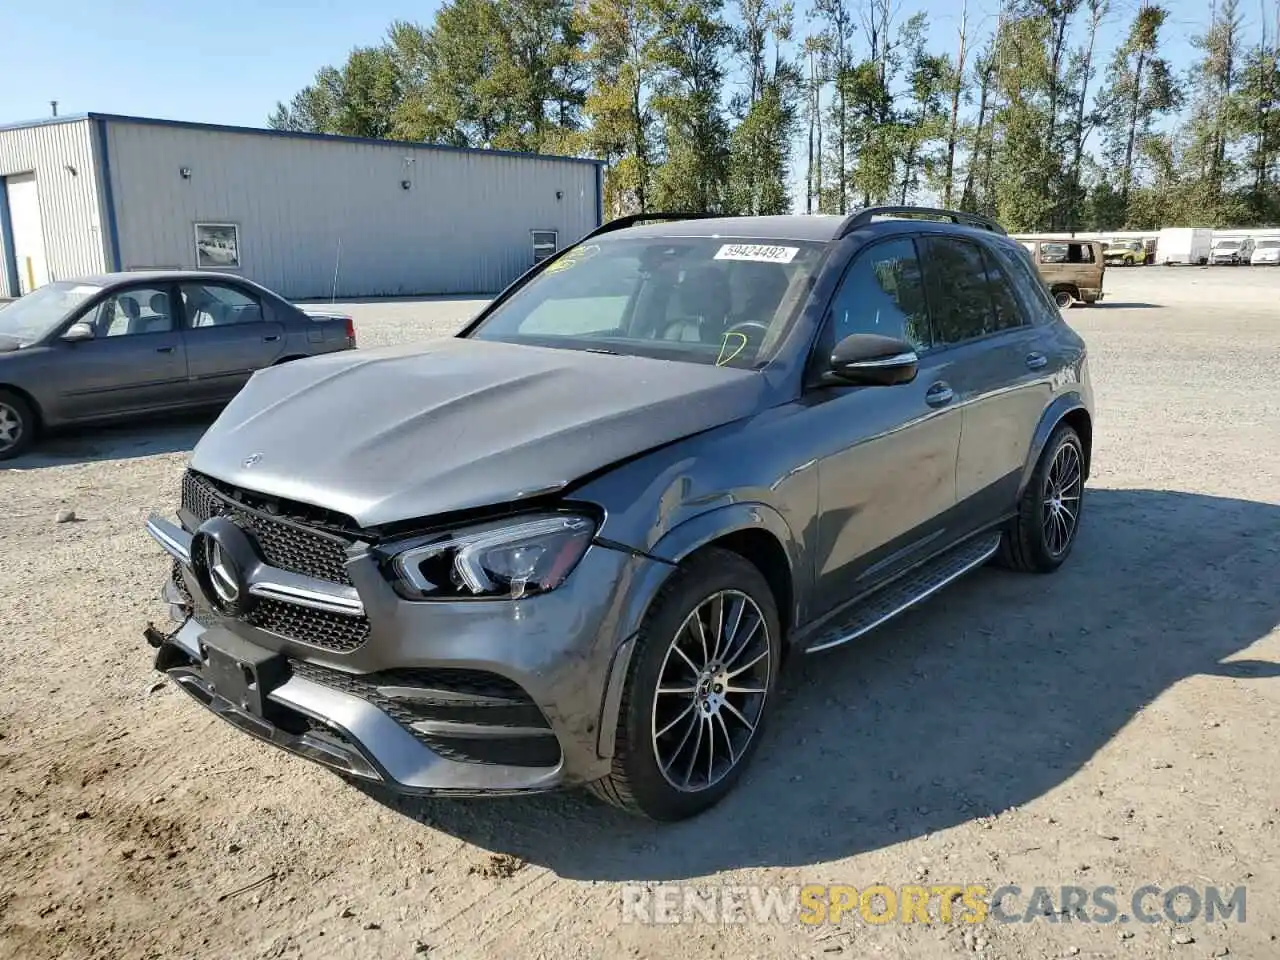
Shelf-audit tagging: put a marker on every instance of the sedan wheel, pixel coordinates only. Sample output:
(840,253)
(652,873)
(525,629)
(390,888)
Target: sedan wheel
(17,425)
(700,677)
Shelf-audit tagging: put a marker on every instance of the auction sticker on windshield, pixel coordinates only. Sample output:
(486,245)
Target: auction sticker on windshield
(756,251)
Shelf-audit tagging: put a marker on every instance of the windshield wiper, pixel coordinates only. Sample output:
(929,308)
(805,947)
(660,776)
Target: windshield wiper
(612,353)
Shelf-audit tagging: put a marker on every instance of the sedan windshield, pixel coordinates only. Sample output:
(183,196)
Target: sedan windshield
(31,317)
(1227,244)
(1268,244)
(708,300)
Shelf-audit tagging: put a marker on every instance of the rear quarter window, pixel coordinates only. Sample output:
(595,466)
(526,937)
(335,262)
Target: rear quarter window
(1027,281)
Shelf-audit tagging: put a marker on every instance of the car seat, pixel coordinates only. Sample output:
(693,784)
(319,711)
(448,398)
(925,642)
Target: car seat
(159,321)
(129,307)
(701,308)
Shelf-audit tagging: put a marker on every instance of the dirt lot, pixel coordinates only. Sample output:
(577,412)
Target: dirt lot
(1116,724)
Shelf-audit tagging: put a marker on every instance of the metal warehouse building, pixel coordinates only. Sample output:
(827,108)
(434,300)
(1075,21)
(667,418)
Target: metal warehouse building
(308,215)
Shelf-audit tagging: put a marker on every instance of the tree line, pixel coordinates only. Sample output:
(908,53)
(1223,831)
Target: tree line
(697,107)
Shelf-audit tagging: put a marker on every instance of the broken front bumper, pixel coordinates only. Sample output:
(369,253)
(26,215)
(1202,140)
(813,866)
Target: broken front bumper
(441,698)
(339,730)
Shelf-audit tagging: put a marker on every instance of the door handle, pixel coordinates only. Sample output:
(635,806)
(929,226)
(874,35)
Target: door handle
(164,349)
(939,395)
(1036,360)
(271,338)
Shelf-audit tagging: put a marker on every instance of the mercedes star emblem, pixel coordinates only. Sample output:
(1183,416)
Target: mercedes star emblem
(222,572)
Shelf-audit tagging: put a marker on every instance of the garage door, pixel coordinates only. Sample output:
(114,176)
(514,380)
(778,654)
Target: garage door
(28,234)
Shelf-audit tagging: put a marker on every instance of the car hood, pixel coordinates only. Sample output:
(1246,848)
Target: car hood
(409,432)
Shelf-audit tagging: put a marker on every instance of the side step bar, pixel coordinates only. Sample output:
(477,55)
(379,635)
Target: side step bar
(905,592)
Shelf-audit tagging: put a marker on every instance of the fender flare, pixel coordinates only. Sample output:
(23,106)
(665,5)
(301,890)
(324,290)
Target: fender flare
(671,549)
(1049,420)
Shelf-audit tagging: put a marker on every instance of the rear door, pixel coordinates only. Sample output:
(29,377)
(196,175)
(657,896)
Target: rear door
(998,362)
(229,333)
(886,472)
(135,362)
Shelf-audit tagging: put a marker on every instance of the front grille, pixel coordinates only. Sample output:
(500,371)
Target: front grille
(319,628)
(289,543)
(454,696)
(284,542)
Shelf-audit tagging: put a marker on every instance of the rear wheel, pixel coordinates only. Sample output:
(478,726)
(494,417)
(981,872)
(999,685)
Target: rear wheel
(1040,537)
(1063,297)
(17,425)
(699,680)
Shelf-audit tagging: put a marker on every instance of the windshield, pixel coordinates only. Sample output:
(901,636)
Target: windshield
(31,317)
(697,299)
(1268,244)
(1227,244)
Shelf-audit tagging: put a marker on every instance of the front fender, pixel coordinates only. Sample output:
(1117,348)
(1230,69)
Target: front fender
(678,543)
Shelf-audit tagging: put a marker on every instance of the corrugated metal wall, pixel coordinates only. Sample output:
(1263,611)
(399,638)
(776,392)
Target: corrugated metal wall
(305,206)
(75,240)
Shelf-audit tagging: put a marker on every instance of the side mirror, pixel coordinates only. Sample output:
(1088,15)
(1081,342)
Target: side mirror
(78,332)
(870,360)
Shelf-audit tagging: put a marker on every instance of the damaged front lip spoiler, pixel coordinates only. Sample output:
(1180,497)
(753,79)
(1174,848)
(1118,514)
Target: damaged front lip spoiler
(309,745)
(368,743)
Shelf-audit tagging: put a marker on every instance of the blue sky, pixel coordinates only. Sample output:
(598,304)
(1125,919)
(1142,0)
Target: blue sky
(231,61)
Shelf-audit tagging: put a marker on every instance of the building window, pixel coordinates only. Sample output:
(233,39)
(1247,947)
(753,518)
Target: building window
(218,246)
(545,243)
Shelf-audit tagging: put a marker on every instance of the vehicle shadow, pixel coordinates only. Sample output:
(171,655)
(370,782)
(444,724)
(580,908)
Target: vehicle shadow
(988,696)
(177,434)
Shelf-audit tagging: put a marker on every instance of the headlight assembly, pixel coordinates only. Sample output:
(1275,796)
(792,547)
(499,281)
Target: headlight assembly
(520,557)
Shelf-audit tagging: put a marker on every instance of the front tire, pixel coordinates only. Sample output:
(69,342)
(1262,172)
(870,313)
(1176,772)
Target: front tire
(17,425)
(700,679)
(1040,537)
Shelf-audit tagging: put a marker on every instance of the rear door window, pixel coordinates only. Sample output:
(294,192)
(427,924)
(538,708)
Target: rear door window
(962,306)
(1026,281)
(1007,313)
(218,305)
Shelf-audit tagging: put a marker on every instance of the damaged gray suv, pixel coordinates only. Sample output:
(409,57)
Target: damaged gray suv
(575,544)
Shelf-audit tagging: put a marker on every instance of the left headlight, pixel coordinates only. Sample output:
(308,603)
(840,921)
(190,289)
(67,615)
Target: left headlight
(520,557)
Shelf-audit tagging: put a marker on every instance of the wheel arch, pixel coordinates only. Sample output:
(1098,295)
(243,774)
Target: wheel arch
(30,401)
(754,531)
(1071,410)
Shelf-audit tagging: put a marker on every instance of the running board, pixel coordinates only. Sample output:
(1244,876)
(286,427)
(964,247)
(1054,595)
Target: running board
(905,592)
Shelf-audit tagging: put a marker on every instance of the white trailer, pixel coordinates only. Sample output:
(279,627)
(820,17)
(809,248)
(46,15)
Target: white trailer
(1190,245)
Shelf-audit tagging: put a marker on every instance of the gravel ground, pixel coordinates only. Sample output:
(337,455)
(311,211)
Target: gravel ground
(1115,724)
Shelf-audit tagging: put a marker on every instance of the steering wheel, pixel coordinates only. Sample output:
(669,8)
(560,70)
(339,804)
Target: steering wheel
(743,327)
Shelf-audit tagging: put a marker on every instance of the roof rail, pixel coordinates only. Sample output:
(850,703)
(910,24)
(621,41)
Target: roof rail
(631,219)
(866,215)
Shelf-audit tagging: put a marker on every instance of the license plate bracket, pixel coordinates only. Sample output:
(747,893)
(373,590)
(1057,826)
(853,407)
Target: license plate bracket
(240,672)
